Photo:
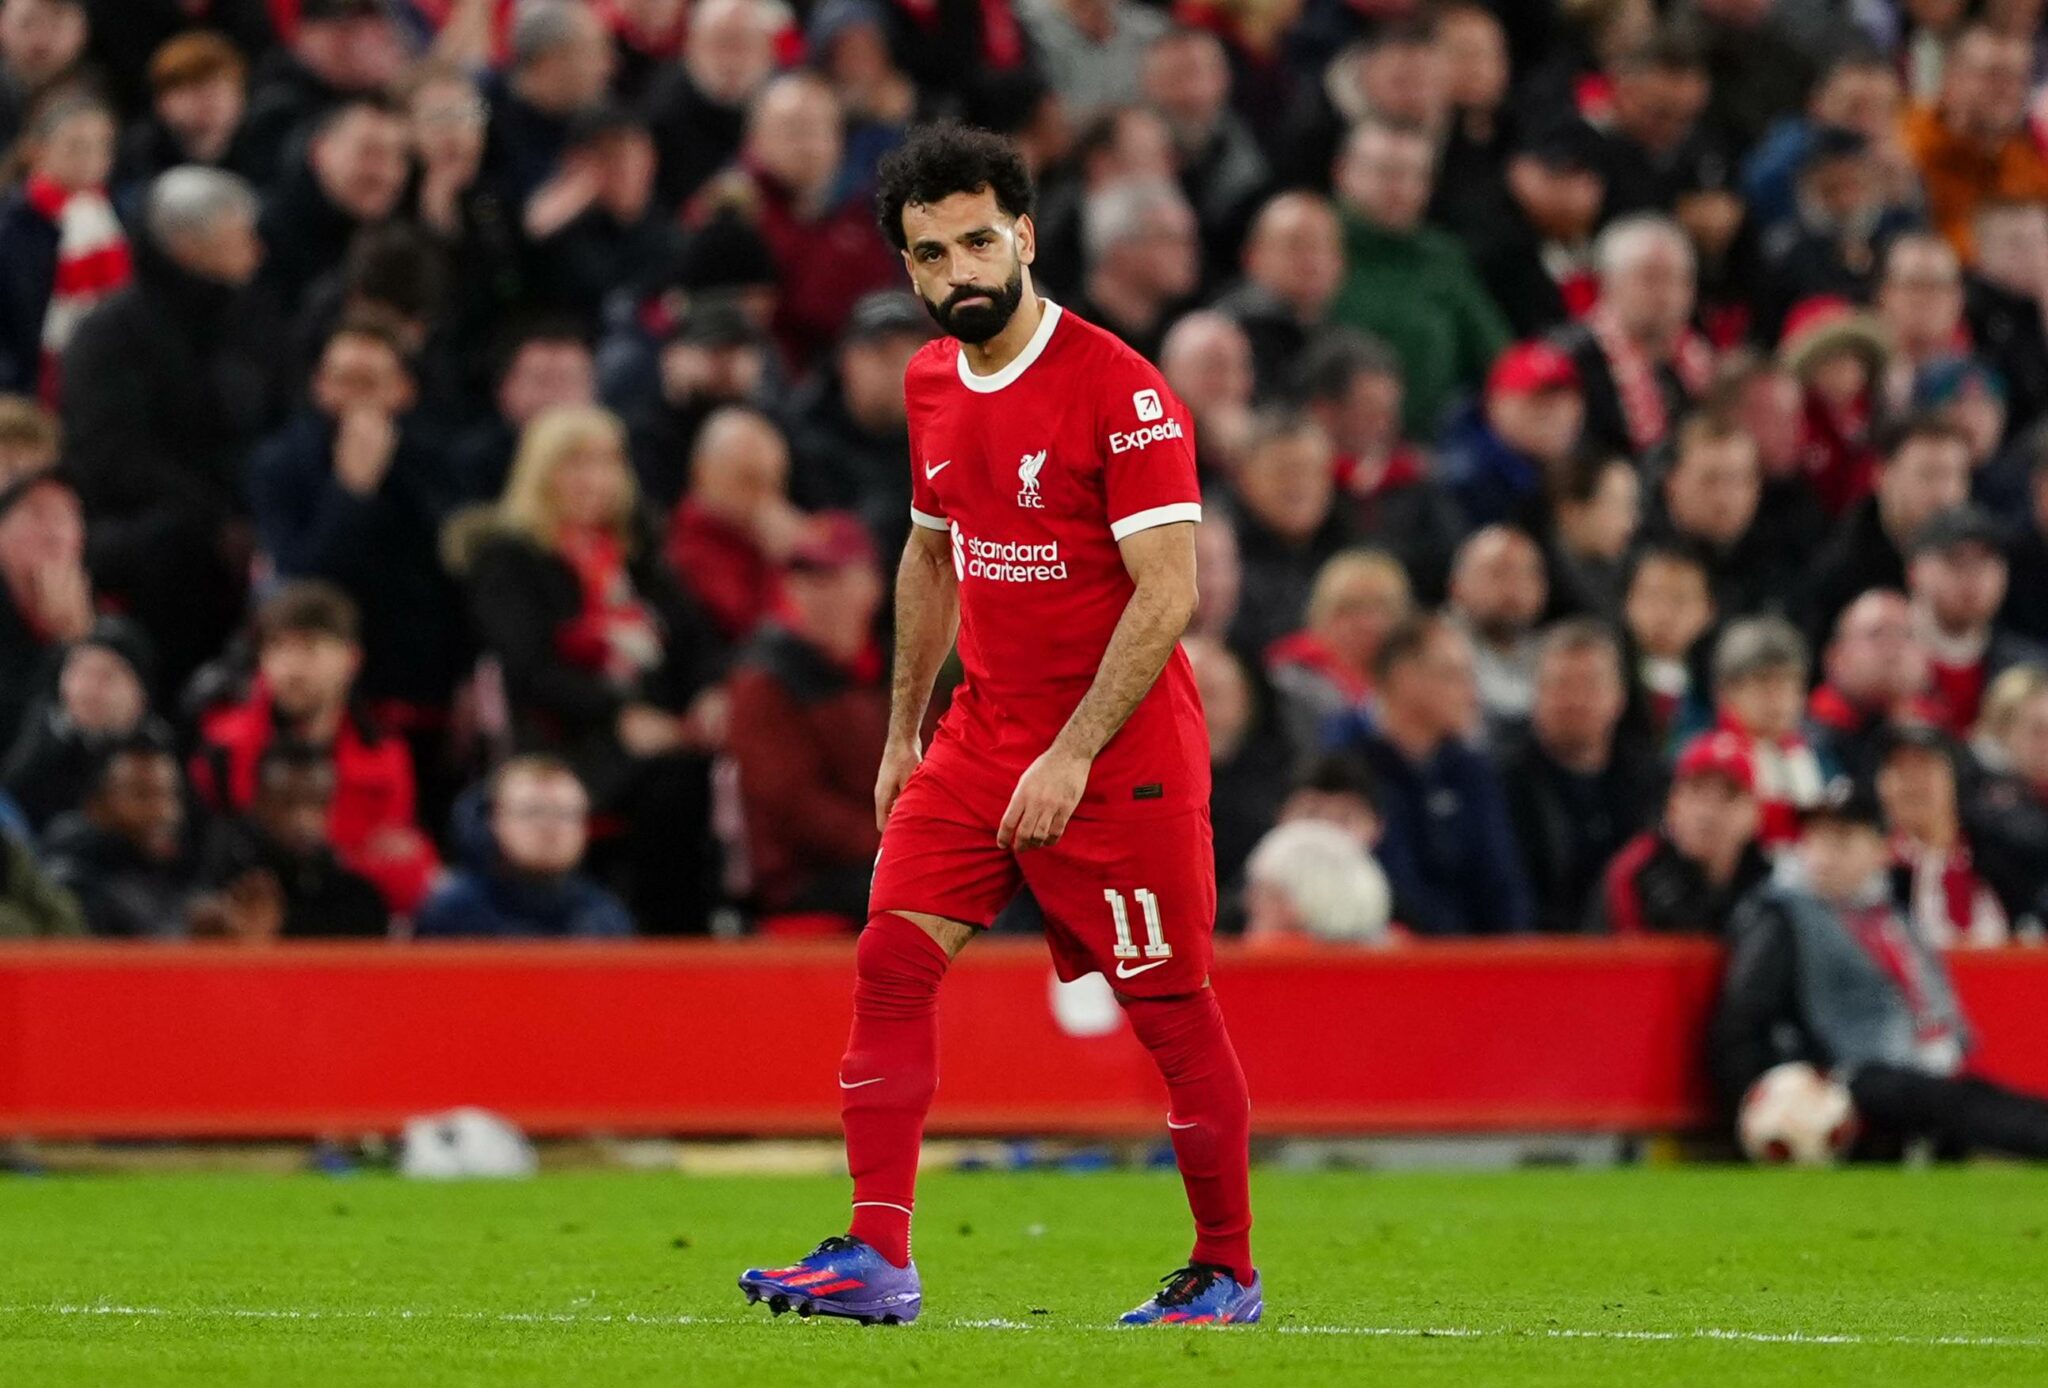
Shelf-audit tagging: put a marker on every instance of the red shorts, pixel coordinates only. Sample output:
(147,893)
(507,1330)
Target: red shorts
(1133,900)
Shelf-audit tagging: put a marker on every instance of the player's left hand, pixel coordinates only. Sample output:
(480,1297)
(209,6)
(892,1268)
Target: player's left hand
(1044,800)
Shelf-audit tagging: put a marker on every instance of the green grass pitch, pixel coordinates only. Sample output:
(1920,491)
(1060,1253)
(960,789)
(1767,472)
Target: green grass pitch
(1556,1277)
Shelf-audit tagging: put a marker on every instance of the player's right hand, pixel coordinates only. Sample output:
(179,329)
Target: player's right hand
(899,759)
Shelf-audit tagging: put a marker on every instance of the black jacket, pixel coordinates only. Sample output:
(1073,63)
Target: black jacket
(1651,888)
(322,899)
(28,269)
(2025,614)
(285,102)
(1278,575)
(24,666)
(2007,825)
(696,136)
(2006,330)
(123,894)
(1275,333)
(167,387)
(1569,826)
(1509,259)
(305,236)
(1606,426)
(839,465)
(1858,556)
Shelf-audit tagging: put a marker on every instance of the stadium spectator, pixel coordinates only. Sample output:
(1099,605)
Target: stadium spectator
(1410,284)
(1207,360)
(46,596)
(1394,72)
(605,661)
(1119,145)
(1577,790)
(1501,458)
(848,434)
(1350,385)
(1667,609)
(1249,760)
(1093,51)
(1919,302)
(1536,255)
(1768,404)
(1336,788)
(1957,579)
(355,491)
(41,42)
(1498,592)
(1293,268)
(337,51)
(2004,297)
(2007,813)
(199,94)
(1142,251)
(1971,144)
(31,905)
(603,243)
(787,182)
(1653,150)
(559,67)
(527,882)
(127,34)
(2028,558)
(1325,669)
(648,36)
(308,655)
(1760,671)
(124,854)
(848,42)
(1308,880)
(63,249)
(1688,874)
(1824,969)
(542,363)
(1287,525)
(99,696)
(1839,356)
(272,872)
(1640,362)
(1828,247)
(468,215)
(1708,503)
(1598,509)
(1471,186)
(29,437)
(1857,91)
(1185,77)
(1948,902)
(352,176)
(810,712)
(1222,578)
(1963,391)
(697,109)
(1925,470)
(1875,671)
(735,526)
(1449,849)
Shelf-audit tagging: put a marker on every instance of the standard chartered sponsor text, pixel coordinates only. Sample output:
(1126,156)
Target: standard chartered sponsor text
(1013,561)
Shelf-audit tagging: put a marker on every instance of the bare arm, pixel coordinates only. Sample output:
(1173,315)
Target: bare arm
(927,619)
(1161,563)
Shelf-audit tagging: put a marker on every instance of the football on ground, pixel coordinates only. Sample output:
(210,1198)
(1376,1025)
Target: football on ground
(1636,1277)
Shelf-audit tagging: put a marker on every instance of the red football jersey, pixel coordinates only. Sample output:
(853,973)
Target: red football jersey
(1037,471)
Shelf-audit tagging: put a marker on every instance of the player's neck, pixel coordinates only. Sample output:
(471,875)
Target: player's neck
(987,358)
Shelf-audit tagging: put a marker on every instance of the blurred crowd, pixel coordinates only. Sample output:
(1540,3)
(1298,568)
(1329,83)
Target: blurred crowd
(453,451)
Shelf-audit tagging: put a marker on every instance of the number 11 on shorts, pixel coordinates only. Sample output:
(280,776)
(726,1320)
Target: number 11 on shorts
(1155,932)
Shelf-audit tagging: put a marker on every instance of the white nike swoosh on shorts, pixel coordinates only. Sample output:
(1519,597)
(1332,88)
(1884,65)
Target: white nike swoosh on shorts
(930,472)
(862,1084)
(1126,971)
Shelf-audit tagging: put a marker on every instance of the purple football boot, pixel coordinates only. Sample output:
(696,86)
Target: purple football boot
(841,1277)
(1201,1294)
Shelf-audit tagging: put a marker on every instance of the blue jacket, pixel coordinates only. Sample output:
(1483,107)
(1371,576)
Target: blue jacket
(1449,848)
(1490,480)
(497,905)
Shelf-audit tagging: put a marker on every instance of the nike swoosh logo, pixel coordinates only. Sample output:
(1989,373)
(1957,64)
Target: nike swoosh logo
(930,472)
(1180,1127)
(1126,971)
(862,1084)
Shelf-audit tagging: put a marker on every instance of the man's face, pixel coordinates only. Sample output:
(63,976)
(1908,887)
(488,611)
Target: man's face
(695,373)
(541,823)
(1874,659)
(292,805)
(1543,424)
(41,38)
(1709,818)
(360,54)
(1474,53)
(1297,255)
(361,373)
(1668,608)
(362,162)
(1653,294)
(1769,412)
(1359,614)
(1963,585)
(1984,84)
(731,50)
(99,691)
(45,528)
(1917,787)
(795,135)
(966,258)
(741,471)
(1406,82)
(1766,703)
(1658,108)
(1287,486)
(308,673)
(204,115)
(1864,99)
(546,374)
(1579,697)
(1187,80)
(835,608)
(1842,190)
(449,121)
(1500,586)
(1210,362)
(1563,204)
(2012,249)
(1714,489)
(1163,259)
(1926,476)
(1437,686)
(1387,176)
(140,801)
(79,152)
(230,252)
(1841,858)
(1921,296)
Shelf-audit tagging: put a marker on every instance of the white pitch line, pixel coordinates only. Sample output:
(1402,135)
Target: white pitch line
(1379,1332)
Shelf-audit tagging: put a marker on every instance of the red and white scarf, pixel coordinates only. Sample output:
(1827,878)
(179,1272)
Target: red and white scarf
(1643,406)
(92,263)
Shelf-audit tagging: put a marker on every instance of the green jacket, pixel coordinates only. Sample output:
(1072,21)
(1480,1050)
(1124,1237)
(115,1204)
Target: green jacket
(1417,292)
(31,905)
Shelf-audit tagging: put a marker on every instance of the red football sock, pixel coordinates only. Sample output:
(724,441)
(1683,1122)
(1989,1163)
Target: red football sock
(1211,1120)
(888,1076)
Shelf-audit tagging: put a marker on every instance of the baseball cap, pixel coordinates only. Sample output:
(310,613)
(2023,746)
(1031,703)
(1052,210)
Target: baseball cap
(1718,754)
(715,320)
(833,540)
(1966,524)
(1845,801)
(884,313)
(1529,368)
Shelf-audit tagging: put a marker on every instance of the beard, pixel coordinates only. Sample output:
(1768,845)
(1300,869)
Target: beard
(977,322)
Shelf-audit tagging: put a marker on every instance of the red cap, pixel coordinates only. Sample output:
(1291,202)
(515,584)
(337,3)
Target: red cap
(1718,754)
(1529,367)
(1815,311)
(833,540)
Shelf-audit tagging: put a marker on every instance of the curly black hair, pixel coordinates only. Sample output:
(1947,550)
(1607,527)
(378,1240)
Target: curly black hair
(942,159)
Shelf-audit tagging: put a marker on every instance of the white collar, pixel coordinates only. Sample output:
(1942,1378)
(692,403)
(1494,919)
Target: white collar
(995,381)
